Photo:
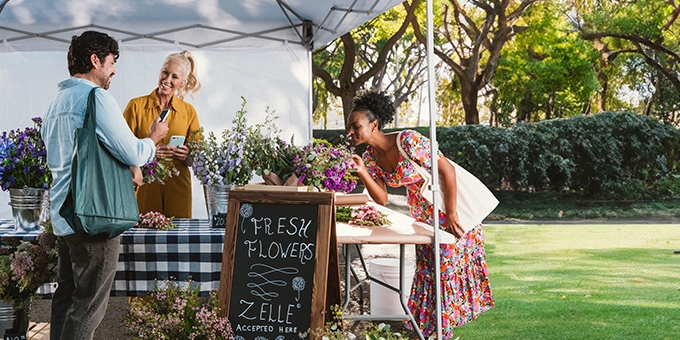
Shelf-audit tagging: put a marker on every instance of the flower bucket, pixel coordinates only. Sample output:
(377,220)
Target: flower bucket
(13,322)
(216,202)
(385,301)
(29,208)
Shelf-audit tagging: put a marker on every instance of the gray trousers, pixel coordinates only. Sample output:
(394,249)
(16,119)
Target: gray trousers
(87,266)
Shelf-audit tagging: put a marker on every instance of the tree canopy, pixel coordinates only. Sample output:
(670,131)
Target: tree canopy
(514,60)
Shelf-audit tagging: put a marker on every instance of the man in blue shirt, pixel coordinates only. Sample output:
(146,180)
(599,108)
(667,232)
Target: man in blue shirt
(87,264)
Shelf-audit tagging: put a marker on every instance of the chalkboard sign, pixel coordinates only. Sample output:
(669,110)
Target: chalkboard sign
(219,220)
(17,336)
(275,263)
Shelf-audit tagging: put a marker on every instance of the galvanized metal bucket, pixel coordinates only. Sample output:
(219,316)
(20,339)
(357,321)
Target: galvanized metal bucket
(217,199)
(13,321)
(28,208)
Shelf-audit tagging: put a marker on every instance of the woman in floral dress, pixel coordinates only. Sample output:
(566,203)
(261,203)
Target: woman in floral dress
(464,277)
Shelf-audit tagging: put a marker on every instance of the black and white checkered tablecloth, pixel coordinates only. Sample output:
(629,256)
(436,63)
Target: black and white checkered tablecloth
(193,249)
(7,230)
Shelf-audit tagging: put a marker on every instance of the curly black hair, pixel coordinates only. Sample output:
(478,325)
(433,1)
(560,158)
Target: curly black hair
(87,44)
(376,106)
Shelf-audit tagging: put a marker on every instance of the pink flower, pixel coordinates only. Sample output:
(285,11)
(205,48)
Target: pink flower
(368,215)
(21,264)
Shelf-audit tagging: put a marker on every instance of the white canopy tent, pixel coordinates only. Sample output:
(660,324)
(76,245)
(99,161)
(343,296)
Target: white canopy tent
(258,49)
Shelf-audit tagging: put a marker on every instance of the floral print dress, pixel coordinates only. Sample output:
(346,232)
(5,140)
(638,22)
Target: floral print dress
(464,277)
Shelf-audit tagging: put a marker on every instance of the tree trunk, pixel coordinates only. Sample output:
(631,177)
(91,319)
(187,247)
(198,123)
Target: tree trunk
(468,94)
(586,109)
(650,103)
(604,81)
(347,98)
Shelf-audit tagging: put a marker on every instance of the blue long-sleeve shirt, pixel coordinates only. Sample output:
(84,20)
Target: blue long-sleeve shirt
(66,114)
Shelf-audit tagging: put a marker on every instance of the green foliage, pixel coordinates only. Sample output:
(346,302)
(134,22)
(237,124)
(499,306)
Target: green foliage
(609,155)
(638,41)
(545,72)
(174,310)
(335,137)
(450,107)
(666,104)
(343,214)
(322,99)
(26,265)
(363,64)
(641,17)
(622,156)
(337,330)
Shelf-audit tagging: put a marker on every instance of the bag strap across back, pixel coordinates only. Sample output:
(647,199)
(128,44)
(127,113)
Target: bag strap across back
(423,173)
(90,121)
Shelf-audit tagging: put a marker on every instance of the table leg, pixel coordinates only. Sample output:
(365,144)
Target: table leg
(402,270)
(348,264)
(349,270)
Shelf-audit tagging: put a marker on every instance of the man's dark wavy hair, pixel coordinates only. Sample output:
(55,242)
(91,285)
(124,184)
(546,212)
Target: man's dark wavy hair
(87,44)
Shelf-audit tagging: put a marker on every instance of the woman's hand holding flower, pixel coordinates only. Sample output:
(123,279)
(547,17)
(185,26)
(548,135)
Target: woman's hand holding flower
(359,165)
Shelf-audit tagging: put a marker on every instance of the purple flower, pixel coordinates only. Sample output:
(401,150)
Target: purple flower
(23,158)
(159,171)
(226,161)
(326,167)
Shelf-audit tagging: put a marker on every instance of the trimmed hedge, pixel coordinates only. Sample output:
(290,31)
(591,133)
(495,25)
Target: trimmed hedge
(611,155)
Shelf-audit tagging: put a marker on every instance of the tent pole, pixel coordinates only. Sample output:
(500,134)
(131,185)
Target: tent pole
(431,82)
(310,98)
(2,5)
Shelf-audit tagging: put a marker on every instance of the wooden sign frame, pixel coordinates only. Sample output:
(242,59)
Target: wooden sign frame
(326,217)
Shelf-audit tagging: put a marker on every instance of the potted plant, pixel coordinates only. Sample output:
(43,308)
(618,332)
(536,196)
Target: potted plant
(223,162)
(272,155)
(24,267)
(326,167)
(174,310)
(318,165)
(222,165)
(24,172)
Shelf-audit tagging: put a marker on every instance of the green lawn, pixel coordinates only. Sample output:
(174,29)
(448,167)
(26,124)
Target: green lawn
(581,282)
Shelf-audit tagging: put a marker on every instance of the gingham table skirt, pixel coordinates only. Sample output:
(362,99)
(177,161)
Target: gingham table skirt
(193,250)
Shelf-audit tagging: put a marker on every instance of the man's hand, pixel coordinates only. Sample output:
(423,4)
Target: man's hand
(137,177)
(158,130)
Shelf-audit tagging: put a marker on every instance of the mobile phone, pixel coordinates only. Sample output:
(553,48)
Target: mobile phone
(176,141)
(164,115)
